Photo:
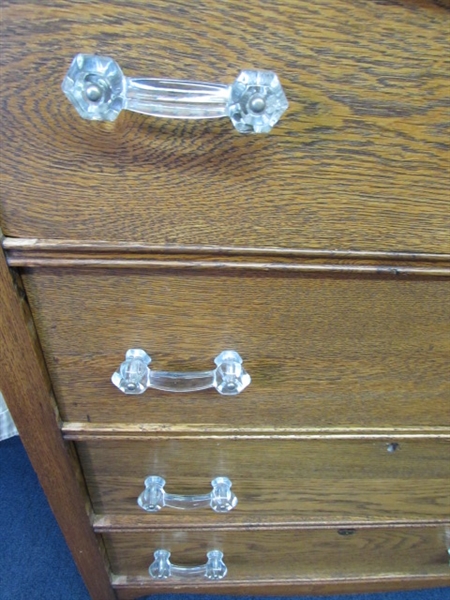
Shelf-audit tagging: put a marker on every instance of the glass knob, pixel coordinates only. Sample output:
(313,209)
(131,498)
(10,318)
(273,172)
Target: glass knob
(134,376)
(98,89)
(222,499)
(154,497)
(230,377)
(215,568)
(162,568)
(257,101)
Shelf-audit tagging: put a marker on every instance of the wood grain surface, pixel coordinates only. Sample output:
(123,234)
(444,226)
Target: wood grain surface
(358,162)
(274,556)
(337,308)
(287,480)
(322,352)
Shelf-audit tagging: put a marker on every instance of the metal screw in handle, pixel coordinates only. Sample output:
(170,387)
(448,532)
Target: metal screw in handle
(99,90)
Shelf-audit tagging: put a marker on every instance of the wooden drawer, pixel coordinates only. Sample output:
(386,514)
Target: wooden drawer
(359,161)
(381,559)
(268,556)
(318,252)
(283,480)
(322,352)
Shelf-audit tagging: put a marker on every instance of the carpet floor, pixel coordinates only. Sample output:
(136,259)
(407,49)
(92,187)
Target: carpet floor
(35,563)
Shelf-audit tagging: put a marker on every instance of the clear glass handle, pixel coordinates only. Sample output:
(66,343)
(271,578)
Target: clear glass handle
(221,499)
(176,99)
(98,89)
(162,568)
(134,376)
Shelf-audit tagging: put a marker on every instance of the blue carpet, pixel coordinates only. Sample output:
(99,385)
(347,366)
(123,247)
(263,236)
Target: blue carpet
(35,563)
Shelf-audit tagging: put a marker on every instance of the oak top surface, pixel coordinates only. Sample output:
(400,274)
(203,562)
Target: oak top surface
(358,162)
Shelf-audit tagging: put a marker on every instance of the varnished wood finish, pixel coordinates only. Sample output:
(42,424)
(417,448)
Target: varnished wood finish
(393,271)
(25,387)
(359,161)
(287,479)
(54,254)
(261,521)
(257,556)
(129,588)
(322,352)
(20,250)
(83,253)
(320,252)
(163,431)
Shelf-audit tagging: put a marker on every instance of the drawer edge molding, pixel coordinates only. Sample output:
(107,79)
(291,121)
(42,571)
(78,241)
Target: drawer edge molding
(40,253)
(384,270)
(109,523)
(74,431)
(35,245)
(128,588)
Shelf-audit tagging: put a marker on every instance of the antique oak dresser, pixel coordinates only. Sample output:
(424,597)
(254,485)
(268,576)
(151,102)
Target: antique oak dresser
(292,284)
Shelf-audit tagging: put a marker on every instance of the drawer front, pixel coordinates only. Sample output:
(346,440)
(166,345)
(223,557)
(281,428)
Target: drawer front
(283,480)
(326,352)
(358,162)
(290,555)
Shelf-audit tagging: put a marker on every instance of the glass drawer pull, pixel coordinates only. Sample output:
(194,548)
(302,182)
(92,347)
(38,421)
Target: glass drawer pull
(98,89)
(221,499)
(162,568)
(134,376)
